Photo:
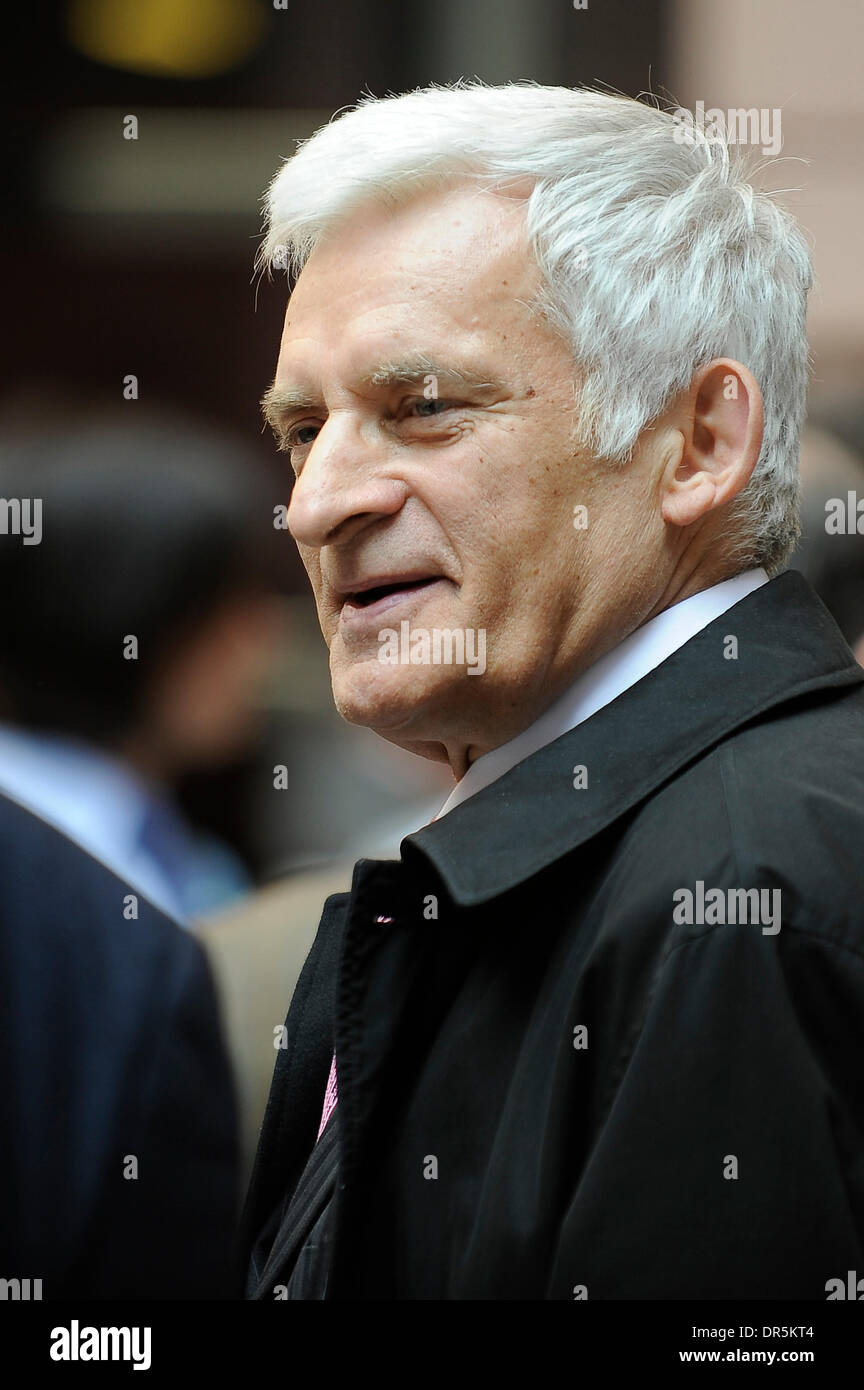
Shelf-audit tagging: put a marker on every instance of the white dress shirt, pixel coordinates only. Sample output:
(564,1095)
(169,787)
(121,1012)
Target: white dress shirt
(90,796)
(608,678)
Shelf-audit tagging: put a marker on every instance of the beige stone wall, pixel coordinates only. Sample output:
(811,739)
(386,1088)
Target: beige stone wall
(806,59)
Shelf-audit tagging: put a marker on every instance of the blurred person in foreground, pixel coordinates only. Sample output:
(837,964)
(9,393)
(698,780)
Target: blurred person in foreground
(119,1173)
(119,1162)
(541,380)
(136,633)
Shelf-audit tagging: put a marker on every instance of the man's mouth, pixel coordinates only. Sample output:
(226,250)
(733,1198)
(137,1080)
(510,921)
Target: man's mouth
(364,598)
(373,599)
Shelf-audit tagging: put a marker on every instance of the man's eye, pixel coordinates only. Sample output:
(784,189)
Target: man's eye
(426,408)
(299,436)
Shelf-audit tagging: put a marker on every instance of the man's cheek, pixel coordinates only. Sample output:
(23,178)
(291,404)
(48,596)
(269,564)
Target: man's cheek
(311,563)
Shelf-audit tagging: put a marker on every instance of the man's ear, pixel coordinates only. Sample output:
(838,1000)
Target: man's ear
(719,423)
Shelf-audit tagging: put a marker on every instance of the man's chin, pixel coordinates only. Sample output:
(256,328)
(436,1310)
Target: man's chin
(390,700)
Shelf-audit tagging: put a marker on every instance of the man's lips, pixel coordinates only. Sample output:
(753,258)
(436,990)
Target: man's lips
(375,597)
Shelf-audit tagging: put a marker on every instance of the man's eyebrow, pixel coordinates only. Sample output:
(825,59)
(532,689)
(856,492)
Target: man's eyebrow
(415,370)
(281,401)
(278,402)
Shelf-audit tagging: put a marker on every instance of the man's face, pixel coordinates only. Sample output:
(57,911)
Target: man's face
(429,418)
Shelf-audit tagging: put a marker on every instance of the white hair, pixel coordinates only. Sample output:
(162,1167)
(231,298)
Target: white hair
(657,255)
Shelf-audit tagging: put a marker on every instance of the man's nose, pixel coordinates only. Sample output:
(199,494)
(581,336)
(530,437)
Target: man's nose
(341,487)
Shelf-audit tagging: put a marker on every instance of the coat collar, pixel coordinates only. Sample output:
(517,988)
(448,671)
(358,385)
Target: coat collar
(788,645)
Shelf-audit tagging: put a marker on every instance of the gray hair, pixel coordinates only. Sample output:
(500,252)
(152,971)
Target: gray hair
(656,253)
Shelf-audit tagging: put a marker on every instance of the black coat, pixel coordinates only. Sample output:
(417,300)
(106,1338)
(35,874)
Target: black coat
(708,1141)
(110,1049)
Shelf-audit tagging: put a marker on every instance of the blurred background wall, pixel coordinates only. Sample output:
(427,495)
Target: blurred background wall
(804,59)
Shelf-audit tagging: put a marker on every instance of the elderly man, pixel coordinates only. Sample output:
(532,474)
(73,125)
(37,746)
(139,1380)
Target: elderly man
(598,1033)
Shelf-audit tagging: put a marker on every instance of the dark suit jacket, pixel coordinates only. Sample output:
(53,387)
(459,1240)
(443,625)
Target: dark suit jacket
(552,1086)
(110,1050)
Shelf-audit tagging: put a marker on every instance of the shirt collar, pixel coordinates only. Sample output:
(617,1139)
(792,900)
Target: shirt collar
(93,798)
(608,678)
